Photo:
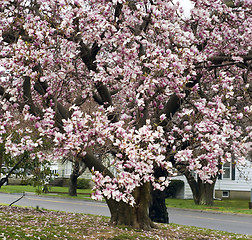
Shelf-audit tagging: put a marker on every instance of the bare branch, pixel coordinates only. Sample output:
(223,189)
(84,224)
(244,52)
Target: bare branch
(4,94)
(3,180)
(94,164)
(97,99)
(28,98)
(80,100)
(221,59)
(88,55)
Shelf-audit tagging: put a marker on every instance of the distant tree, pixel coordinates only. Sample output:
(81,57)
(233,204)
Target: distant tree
(78,169)
(170,92)
(21,149)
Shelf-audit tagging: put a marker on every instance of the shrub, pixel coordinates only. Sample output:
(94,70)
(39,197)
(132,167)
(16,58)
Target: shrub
(83,183)
(173,188)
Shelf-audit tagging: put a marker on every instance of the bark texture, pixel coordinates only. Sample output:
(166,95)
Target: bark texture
(77,170)
(203,193)
(122,213)
(136,216)
(158,210)
(72,191)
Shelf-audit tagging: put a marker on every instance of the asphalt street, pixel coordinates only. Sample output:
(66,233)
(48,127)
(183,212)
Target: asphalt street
(226,222)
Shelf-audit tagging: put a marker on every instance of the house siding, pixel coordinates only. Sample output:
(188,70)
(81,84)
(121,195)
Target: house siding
(185,192)
(244,195)
(233,185)
(238,186)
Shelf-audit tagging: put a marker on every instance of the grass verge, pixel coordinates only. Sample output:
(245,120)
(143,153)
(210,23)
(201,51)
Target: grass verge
(53,191)
(231,206)
(27,223)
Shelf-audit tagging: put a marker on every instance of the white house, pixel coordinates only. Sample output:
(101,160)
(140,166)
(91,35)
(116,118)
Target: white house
(64,170)
(234,183)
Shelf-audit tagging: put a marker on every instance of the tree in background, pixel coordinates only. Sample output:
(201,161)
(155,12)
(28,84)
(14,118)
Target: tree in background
(17,157)
(78,169)
(170,92)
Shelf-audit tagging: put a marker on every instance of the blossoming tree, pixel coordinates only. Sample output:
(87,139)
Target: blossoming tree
(135,79)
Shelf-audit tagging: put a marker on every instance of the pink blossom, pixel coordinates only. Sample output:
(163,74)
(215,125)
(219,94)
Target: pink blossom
(79,80)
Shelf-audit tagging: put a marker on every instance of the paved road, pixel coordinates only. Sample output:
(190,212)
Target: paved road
(61,204)
(226,222)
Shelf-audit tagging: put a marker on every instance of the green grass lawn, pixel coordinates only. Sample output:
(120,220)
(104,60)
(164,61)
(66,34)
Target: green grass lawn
(61,191)
(41,224)
(233,206)
(29,223)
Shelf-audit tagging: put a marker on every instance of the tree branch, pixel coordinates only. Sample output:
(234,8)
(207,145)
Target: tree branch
(79,100)
(221,59)
(97,99)
(88,55)
(4,180)
(94,164)
(174,102)
(28,98)
(5,95)
(60,111)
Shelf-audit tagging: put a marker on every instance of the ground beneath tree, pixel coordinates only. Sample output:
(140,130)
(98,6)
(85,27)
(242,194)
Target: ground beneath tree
(27,223)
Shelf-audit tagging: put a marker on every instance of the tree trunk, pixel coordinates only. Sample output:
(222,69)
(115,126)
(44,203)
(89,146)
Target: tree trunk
(203,193)
(122,213)
(158,210)
(72,191)
(136,216)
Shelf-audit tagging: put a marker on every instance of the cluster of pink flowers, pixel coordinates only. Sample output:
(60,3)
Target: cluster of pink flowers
(144,52)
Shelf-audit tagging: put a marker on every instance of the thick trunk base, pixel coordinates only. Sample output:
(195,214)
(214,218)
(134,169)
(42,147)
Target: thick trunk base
(136,216)
(158,210)
(131,216)
(203,193)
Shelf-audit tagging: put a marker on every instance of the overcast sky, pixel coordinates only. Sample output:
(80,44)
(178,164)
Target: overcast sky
(187,5)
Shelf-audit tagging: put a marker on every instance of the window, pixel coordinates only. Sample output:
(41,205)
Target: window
(54,171)
(225,194)
(227,170)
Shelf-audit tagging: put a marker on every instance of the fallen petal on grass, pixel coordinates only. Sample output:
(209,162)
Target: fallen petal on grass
(29,223)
